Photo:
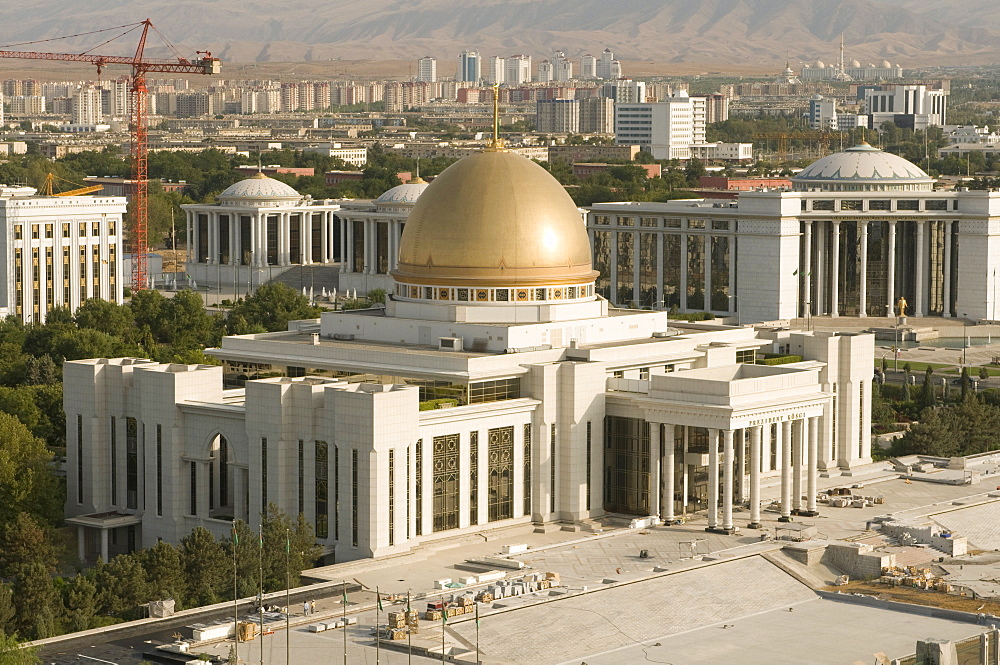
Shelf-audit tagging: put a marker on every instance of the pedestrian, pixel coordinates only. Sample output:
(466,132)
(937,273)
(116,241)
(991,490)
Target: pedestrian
(312,607)
(305,608)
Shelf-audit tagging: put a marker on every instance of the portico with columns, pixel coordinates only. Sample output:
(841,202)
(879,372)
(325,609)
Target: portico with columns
(717,433)
(259,228)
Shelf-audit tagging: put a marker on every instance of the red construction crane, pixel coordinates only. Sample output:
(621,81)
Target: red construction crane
(140,144)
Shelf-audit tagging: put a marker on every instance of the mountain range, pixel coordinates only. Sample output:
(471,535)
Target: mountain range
(713,32)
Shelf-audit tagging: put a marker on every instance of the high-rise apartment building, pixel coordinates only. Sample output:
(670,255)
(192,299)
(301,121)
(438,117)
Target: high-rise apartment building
(427,69)
(625,91)
(517,70)
(495,70)
(470,65)
(608,67)
(588,67)
(87,106)
(558,116)
(546,72)
(597,115)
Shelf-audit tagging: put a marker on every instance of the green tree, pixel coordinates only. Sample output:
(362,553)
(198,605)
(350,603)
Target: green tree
(206,570)
(281,533)
(12,653)
(36,601)
(81,603)
(927,397)
(8,611)
(164,573)
(984,373)
(122,586)
(246,544)
(25,542)
(966,382)
(107,317)
(27,483)
(272,306)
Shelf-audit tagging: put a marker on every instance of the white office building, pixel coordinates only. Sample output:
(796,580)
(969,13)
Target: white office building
(87,107)
(557,116)
(912,106)
(494,389)
(858,230)
(666,129)
(58,251)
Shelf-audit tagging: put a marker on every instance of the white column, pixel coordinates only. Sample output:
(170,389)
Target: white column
(727,479)
(655,472)
(863,279)
(191,217)
(755,433)
(713,478)
(667,505)
(946,310)
(104,544)
(812,470)
(835,270)
(213,240)
(799,446)
(806,267)
(918,297)
(820,237)
(369,266)
(890,280)
(348,246)
(235,251)
(685,477)
(707,279)
(786,469)
(778,439)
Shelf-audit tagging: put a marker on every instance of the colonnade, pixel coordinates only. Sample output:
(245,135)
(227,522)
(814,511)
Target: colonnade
(795,447)
(820,281)
(370,251)
(257,253)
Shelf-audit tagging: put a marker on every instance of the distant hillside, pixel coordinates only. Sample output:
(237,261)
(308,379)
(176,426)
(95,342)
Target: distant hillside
(711,31)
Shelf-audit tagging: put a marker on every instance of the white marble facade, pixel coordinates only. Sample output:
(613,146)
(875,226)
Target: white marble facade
(468,402)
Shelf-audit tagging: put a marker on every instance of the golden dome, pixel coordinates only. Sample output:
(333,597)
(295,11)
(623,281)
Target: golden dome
(494,218)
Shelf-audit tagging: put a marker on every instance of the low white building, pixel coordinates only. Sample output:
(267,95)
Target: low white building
(58,251)
(495,388)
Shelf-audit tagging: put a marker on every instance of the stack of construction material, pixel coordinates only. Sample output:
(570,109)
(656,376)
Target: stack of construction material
(412,621)
(396,620)
(432,615)
(553,578)
(395,634)
(485,597)
(454,610)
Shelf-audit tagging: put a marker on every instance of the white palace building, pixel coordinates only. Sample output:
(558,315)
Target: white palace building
(858,230)
(495,388)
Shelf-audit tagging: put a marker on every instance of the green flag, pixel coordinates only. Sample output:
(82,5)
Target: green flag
(378,597)
(477,615)
(236,539)
(261,535)
(444,616)
(345,594)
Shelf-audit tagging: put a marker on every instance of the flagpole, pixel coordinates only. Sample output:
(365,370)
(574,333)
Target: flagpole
(477,634)
(345,622)
(444,624)
(409,631)
(236,608)
(378,638)
(260,602)
(288,607)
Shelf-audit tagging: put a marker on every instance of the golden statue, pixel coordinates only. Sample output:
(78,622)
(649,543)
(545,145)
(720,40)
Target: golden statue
(901,306)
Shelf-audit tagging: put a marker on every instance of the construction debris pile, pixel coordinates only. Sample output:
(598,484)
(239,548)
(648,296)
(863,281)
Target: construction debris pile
(844,497)
(400,624)
(911,576)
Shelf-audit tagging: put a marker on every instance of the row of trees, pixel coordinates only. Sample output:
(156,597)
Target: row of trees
(35,604)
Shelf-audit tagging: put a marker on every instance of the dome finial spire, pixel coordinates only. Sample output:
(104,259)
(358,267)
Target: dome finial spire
(497,142)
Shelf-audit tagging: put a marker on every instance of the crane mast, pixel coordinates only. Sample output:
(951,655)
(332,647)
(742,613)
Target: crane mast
(138,127)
